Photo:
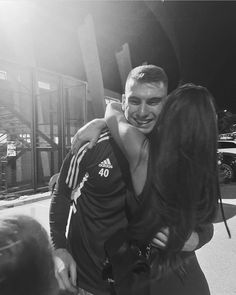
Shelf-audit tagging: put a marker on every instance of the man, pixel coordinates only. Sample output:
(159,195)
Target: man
(99,181)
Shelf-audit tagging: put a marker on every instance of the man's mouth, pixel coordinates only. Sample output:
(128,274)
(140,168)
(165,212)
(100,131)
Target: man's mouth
(141,123)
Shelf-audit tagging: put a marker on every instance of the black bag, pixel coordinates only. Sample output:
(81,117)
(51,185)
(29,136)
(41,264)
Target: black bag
(127,267)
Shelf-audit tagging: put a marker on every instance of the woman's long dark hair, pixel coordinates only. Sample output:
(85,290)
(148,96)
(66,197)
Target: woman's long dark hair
(182,189)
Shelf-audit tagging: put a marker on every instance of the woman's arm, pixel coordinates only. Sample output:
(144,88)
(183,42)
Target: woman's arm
(132,142)
(198,238)
(90,133)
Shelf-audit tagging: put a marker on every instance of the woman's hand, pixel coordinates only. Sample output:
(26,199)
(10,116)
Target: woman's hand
(89,133)
(161,238)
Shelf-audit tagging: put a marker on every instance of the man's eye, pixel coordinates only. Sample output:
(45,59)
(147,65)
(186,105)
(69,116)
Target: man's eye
(135,102)
(154,102)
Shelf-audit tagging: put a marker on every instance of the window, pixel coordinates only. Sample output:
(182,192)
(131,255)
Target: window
(227,145)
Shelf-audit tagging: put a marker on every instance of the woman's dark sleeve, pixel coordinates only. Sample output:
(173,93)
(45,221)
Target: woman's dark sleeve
(60,207)
(205,234)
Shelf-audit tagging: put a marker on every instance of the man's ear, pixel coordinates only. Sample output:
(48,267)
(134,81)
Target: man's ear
(123,102)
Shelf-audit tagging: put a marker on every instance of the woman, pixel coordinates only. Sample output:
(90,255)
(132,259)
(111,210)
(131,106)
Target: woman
(175,178)
(174,172)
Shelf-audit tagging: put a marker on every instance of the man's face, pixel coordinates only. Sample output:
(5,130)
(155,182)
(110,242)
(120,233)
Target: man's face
(142,103)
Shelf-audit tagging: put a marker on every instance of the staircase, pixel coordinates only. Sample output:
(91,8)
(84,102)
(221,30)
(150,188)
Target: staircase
(11,128)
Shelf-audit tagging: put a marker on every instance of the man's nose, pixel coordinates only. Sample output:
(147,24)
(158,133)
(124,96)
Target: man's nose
(143,110)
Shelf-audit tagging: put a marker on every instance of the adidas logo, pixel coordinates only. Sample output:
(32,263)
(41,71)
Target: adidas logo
(106,164)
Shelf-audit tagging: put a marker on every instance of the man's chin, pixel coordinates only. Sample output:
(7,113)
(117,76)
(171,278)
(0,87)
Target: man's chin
(145,130)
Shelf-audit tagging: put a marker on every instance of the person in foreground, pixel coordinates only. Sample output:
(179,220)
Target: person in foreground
(175,177)
(26,260)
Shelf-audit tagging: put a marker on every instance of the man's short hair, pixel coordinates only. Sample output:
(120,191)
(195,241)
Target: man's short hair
(148,74)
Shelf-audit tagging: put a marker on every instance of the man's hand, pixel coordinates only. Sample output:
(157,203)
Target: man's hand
(89,133)
(161,238)
(65,270)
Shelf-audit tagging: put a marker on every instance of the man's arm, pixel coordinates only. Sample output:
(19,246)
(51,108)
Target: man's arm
(65,266)
(60,207)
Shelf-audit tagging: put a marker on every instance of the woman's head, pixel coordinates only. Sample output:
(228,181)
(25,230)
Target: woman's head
(189,118)
(26,263)
(184,189)
(186,163)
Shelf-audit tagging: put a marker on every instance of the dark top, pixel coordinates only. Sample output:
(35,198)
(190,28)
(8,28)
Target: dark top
(97,184)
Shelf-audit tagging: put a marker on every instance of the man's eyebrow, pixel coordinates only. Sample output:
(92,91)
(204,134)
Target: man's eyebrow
(156,98)
(134,97)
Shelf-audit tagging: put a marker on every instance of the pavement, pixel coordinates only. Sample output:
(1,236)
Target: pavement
(24,199)
(217,258)
(228,191)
